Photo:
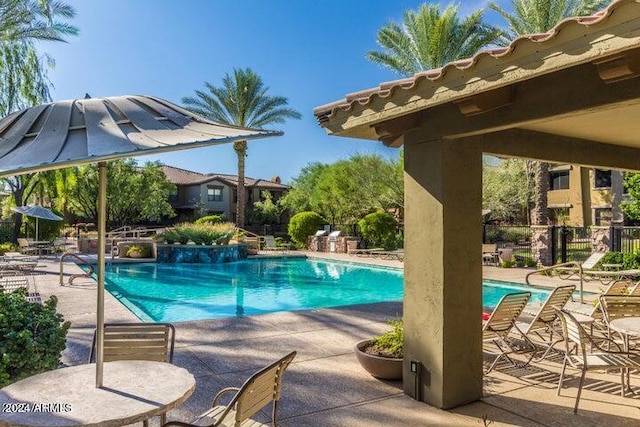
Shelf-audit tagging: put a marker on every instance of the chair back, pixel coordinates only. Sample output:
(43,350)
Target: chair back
(489,248)
(270,241)
(617,306)
(573,332)
(593,259)
(617,287)
(558,298)
(262,388)
(635,289)
(506,312)
(137,341)
(23,243)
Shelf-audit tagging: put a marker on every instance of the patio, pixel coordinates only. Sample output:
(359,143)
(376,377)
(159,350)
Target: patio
(326,383)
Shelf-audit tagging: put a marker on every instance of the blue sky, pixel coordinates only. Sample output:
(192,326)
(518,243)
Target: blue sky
(312,52)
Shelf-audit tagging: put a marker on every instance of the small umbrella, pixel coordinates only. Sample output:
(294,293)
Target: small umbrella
(37,212)
(96,130)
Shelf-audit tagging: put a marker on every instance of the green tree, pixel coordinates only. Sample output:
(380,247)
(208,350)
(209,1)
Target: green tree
(430,38)
(507,190)
(539,16)
(345,191)
(631,208)
(134,194)
(265,210)
(242,100)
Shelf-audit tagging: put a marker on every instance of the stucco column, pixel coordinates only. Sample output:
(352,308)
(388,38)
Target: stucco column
(443,272)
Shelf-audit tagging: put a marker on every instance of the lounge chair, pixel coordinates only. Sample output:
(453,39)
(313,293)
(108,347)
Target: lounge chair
(543,324)
(258,391)
(598,358)
(588,264)
(390,255)
(501,322)
(364,252)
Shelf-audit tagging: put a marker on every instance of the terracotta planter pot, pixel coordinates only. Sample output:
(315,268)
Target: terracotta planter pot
(386,368)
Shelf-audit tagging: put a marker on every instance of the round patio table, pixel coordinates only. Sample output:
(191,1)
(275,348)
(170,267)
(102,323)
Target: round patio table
(626,326)
(132,391)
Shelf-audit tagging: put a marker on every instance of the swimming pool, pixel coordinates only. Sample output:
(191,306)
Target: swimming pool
(180,292)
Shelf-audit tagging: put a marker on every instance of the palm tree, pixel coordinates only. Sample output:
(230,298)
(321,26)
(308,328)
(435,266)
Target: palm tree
(242,100)
(539,16)
(429,38)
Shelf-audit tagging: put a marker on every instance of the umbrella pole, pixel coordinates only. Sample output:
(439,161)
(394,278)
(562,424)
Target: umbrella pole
(102,213)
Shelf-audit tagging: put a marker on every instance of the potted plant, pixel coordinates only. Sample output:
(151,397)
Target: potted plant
(381,356)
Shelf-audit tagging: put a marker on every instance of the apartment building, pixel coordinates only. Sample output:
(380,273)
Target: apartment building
(581,196)
(215,194)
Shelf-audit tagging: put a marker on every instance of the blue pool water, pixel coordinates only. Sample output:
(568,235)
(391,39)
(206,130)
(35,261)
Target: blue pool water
(180,292)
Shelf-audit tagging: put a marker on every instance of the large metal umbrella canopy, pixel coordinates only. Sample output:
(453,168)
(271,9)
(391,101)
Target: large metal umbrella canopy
(37,212)
(90,130)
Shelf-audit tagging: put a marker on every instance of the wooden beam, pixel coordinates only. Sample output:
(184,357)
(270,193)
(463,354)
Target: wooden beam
(557,149)
(562,94)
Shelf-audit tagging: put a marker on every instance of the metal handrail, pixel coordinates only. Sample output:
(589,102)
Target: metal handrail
(564,264)
(74,276)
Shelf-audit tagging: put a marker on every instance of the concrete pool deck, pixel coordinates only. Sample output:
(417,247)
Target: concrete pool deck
(325,386)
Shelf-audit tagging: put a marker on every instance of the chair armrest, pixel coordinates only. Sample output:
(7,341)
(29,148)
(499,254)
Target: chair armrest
(222,392)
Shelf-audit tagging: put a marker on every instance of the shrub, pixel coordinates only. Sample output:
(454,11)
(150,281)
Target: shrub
(209,219)
(628,260)
(139,251)
(389,344)
(6,247)
(507,264)
(303,225)
(200,234)
(33,336)
(379,229)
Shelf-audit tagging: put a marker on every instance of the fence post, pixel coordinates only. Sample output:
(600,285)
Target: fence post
(564,232)
(484,233)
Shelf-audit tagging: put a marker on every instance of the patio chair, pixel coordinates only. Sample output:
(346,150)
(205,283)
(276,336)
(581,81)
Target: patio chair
(270,244)
(543,325)
(617,307)
(137,341)
(490,254)
(598,359)
(25,247)
(258,391)
(501,322)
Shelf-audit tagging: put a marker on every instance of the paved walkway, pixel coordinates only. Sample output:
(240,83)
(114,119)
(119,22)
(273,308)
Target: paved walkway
(325,386)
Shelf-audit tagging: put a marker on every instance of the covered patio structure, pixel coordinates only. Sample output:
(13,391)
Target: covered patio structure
(570,95)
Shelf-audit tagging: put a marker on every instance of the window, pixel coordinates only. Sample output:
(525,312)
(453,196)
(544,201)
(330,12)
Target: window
(214,194)
(602,179)
(602,216)
(559,180)
(173,197)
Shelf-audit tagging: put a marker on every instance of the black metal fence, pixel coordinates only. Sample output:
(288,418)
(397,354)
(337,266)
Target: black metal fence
(516,237)
(567,243)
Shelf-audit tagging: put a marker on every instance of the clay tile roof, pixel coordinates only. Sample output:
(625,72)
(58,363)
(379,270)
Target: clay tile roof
(364,97)
(186,177)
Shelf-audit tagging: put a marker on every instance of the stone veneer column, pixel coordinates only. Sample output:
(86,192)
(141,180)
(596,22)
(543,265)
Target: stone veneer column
(443,271)
(600,238)
(541,244)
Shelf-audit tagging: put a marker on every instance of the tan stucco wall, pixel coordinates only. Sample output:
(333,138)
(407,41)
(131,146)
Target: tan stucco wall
(443,273)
